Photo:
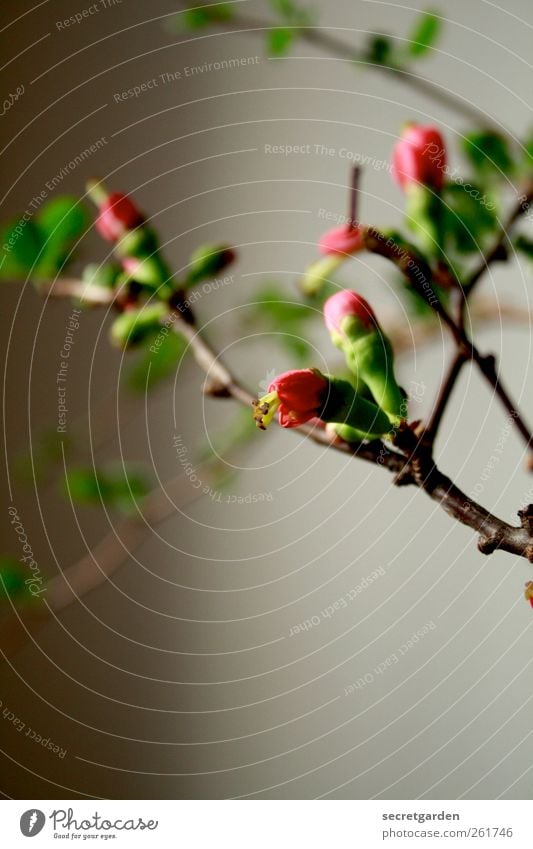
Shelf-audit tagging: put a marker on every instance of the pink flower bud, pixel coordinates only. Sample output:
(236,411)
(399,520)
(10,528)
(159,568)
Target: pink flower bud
(345,304)
(299,396)
(342,240)
(419,157)
(528,592)
(117,215)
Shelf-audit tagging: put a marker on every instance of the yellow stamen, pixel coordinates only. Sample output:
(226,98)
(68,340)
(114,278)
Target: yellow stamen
(265,409)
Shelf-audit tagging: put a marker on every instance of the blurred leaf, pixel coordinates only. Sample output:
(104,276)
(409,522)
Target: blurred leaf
(12,580)
(380,50)
(21,243)
(528,144)
(292,12)
(42,243)
(61,222)
(524,245)
(205,16)
(488,152)
(273,302)
(425,34)
(467,219)
(113,486)
(279,41)
(297,346)
(152,367)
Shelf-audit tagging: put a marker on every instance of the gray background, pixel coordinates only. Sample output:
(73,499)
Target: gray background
(178,678)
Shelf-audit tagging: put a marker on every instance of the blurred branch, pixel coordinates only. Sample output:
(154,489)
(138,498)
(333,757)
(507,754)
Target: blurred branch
(320,37)
(95,567)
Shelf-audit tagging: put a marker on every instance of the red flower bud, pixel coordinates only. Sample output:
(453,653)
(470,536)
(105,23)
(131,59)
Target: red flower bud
(117,215)
(419,157)
(299,396)
(342,240)
(345,304)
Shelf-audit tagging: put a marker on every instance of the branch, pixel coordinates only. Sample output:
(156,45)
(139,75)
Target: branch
(417,469)
(334,46)
(221,383)
(66,287)
(420,277)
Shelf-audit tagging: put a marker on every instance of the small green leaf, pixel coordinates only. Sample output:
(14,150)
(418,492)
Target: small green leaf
(279,41)
(488,152)
(424,35)
(20,247)
(205,16)
(61,222)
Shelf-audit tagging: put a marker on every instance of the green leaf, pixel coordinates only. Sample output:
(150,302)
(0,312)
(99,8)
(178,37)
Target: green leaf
(279,41)
(61,222)
(488,152)
(205,16)
(424,35)
(156,363)
(467,220)
(116,487)
(20,247)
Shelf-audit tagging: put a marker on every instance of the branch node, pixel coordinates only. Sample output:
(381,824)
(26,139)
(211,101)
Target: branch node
(489,544)
(526,518)
(215,388)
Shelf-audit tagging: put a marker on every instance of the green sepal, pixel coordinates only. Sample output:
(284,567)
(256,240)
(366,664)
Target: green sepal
(424,217)
(140,242)
(319,274)
(371,359)
(343,405)
(348,433)
(207,261)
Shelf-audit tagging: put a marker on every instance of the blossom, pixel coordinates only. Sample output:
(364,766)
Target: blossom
(298,396)
(419,157)
(346,304)
(528,592)
(117,215)
(342,240)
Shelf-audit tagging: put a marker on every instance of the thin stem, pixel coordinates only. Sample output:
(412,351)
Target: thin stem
(354,197)
(443,398)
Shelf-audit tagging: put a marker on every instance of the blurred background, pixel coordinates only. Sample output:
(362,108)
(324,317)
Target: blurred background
(299,628)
